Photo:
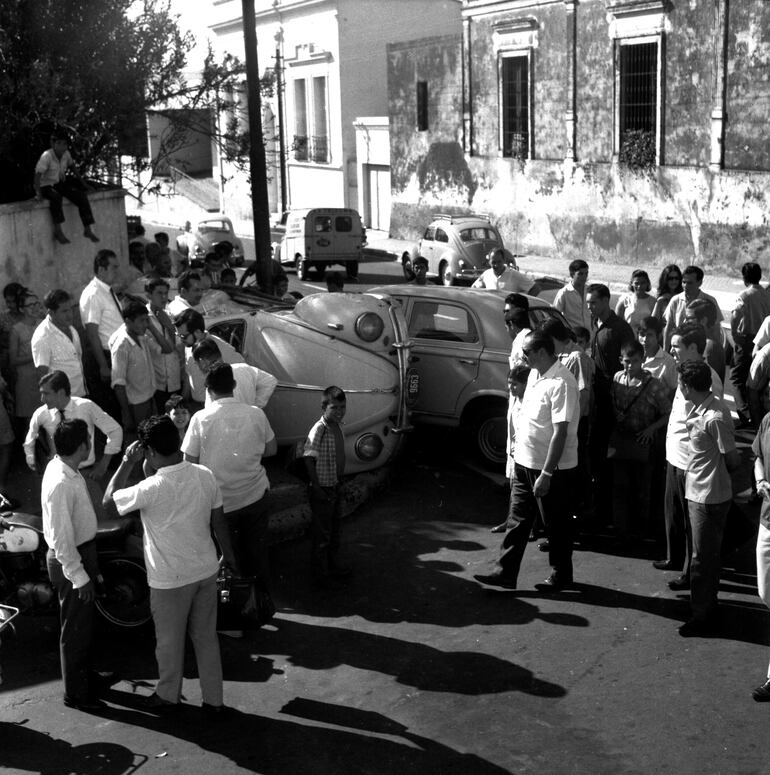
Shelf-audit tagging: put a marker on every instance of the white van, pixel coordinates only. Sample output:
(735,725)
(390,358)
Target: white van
(321,236)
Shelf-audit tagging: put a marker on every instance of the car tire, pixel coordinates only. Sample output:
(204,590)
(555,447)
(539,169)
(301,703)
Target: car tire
(352,269)
(487,428)
(319,269)
(406,265)
(444,274)
(300,264)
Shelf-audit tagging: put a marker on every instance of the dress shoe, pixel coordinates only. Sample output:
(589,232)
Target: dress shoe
(762,693)
(216,712)
(87,704)
(698,628)
(679,583)
(666,565)
(501,528)
(496,579)
(544,546)
(158,704)
(102,681)
(554,583)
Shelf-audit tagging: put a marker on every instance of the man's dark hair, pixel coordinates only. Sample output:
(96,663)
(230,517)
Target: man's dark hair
(56,380)
(133,309)
(161,237)
(518,300)
(519,373)
(703,308)
(554,328)
(192,319)
(695,270)
(651,323)
(576,265)
(692,333)
(160,434)
(632,347)
(420,261)
(332,393)
(519,317)
(102,259)
(752,272)
(224,248)
(55,298)
(69,435)
(206,348)
(581,332)
(229,272)
(600,289)
(175,401)
(538,340)
(695,375)
(220,379)
(153,284)
(186,278)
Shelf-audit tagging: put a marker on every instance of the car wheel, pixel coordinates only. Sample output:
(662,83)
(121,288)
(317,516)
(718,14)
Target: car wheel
(488,431)
(406,265)
(352,270)
(301,266)
(445,274)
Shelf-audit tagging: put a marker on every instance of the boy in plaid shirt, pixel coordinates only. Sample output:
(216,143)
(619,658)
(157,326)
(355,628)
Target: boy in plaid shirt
(325,462)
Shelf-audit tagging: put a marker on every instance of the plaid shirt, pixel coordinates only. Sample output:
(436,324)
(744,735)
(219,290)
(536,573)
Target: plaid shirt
(322,445)
(636,415)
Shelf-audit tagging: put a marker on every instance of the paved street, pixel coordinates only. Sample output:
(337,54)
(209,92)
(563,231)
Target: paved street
(415,668)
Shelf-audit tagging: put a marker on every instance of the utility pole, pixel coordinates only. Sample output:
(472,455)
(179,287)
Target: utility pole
(257,161)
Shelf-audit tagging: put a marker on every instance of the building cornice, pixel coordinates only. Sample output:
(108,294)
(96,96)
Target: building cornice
(478,8)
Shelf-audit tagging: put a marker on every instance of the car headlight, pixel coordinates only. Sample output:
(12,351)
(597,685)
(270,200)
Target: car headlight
(368,446)
(369,326)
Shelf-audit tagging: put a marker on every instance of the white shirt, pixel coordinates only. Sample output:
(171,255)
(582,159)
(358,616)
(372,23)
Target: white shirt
(662,366)
(229,438)
(167,366)
(84,409)
(98,305)
(517,348)
(68,518)
(52,348)
(132,366)
(197,378)
(252,385)
(572,304)
(51,168)
(510,280)
(175,505)
(549,399)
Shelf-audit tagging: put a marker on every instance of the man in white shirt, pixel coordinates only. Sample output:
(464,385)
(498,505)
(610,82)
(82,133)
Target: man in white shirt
(571,299)
(253,386)
(500,277)
(56,343)
(180,503)
(657,361)
(230,438)
(190,294)
(692,279)
(545,455)
(69,526)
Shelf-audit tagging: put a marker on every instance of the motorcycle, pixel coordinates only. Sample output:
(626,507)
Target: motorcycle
(124,597)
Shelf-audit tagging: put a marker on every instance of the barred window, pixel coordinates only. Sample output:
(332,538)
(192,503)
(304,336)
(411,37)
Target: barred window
(638,103)
(514,99)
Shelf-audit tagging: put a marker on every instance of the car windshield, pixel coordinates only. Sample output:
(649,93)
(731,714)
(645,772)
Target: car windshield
(207,227)
(477,233)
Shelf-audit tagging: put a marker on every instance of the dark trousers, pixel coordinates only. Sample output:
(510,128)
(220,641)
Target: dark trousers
(601,467)
(326,512)
(632,482)
(248,533)
(73,191)
(740,371)
(76,616)
(707,522)
(555,510)
(678,539)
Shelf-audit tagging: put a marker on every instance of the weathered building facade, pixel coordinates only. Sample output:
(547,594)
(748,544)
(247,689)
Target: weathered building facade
(623,130)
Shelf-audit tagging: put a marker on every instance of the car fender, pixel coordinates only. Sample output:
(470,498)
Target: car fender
(471,400)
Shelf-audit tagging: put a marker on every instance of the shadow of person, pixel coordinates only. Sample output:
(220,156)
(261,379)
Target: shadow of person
(24,749)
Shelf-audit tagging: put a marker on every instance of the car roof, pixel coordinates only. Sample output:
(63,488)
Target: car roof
(462,219)
(475,296)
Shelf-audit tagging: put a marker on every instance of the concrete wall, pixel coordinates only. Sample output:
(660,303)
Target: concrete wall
(682,210)
(29,254)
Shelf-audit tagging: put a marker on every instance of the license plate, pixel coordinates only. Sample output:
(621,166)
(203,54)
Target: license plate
(412,386)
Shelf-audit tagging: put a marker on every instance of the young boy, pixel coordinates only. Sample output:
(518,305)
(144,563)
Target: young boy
(55,178)
(325,462)
(176,408)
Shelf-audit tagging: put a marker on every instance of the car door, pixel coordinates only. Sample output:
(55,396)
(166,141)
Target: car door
(445,353)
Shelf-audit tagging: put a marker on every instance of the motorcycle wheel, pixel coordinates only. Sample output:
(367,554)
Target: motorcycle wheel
(126,600)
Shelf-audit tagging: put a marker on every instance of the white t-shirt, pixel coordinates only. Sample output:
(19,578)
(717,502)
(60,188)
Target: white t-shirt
(252,385)
(510,280)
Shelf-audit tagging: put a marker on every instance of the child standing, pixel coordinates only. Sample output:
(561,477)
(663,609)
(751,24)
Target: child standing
(325,463)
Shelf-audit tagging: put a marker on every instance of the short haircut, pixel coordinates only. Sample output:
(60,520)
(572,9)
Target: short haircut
(538,340)
(703,308)
(133,309)
(206,348)
(600,289)
(692,333)
(160,434)
(695,375)
(192,319)
(695,270)
(229,273)
(153,284)
(186,278)
(639,274)
(333,393)
(161,237)
(69,435)
(752,272)
(518,300)
(102,259)
(55,298)
(211,257)
(554,328)
(581,332)
(519,373)
(632,347)
(420,261)
(519,317)
(576,265)
(220,379)
(13,289)
(175,401)
(651,323)
(56,380)
(225,246)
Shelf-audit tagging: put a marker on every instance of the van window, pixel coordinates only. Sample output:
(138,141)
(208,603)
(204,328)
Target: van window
(343,223)
(322,224)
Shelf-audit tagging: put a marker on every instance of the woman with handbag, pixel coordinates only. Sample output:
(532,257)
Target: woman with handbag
(641,406)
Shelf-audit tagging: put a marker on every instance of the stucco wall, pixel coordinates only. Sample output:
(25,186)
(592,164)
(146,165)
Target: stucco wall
(29,254)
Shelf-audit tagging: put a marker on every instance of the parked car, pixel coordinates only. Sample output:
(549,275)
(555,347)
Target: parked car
(459,359)
(196,243)
(356,341)
(456,247)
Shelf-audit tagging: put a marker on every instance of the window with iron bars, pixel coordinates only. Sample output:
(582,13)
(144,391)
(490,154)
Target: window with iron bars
(638,103)
(514,107)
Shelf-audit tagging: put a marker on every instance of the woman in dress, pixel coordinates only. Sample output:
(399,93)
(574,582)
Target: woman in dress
(20,347)
(637,304)
(669,284)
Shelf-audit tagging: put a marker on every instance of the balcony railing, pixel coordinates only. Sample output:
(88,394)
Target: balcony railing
(315,148)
